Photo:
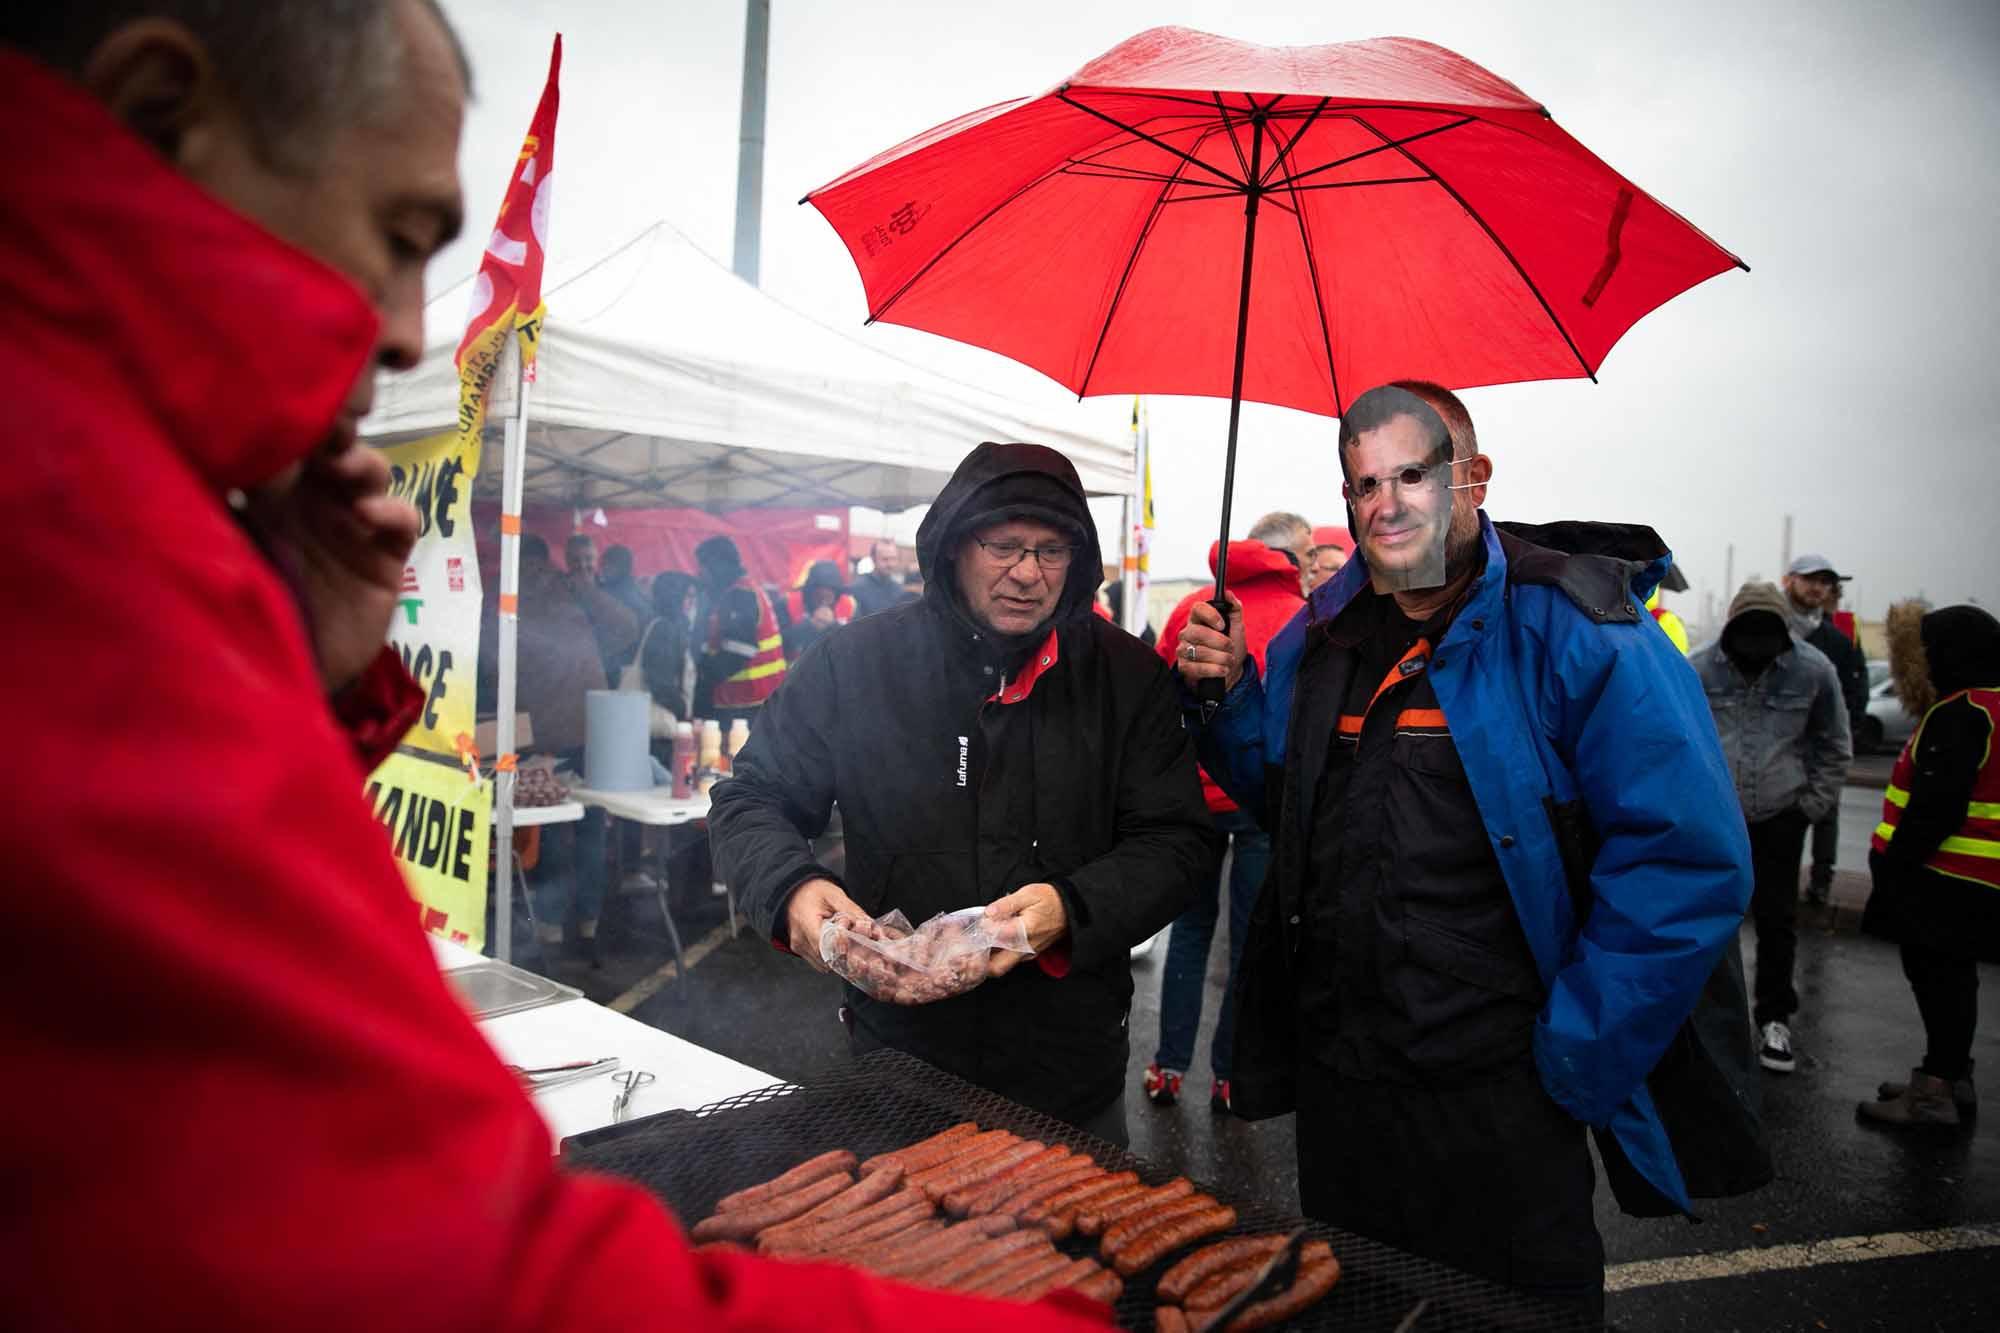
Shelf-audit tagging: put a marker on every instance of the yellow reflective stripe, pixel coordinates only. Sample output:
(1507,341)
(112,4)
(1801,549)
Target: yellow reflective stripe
(766,645)
(1980,847)
(1899,798)
(760,671)
(1885,831)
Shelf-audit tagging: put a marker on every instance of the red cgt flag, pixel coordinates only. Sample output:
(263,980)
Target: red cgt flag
(507,294)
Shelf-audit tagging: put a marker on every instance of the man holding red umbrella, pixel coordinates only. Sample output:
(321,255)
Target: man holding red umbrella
(1506,862)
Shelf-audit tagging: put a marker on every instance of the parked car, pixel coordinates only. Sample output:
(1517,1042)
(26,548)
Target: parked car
(1888,724)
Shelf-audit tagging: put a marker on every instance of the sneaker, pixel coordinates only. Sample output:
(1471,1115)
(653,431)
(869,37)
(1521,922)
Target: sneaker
(1162,1086)
(1776,1052)
(1925,1101)
(1963,1095)
(1218,1096)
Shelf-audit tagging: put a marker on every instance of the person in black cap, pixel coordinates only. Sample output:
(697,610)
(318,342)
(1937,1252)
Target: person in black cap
(993,744)
(1812,593)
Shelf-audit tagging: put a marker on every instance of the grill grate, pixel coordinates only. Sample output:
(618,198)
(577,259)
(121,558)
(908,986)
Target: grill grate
(887,1099)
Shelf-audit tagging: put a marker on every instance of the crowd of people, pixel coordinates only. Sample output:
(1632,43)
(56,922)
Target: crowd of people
(1490,834)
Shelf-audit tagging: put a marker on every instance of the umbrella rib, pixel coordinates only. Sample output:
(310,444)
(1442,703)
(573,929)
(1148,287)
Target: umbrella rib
(1131,263)
(1387,145)
(1191,125)
(1352,185)
(1498,244)
(1064,97)
(1293,142)
(1119,173)
(1319,300)
(1229,128)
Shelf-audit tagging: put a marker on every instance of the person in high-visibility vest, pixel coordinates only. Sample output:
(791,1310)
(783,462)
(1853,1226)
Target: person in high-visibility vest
(816,608)
(1936,864)
(1675,627)
(744,660)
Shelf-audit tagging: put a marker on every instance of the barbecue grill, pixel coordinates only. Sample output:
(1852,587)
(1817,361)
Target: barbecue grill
(887,1099)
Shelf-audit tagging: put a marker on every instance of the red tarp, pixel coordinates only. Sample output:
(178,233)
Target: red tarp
(778,545)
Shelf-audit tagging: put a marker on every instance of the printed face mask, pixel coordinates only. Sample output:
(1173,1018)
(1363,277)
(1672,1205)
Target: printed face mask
(1396,455)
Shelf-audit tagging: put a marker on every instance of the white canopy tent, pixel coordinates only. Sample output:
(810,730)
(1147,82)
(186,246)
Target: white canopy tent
(666,380)
(663,380)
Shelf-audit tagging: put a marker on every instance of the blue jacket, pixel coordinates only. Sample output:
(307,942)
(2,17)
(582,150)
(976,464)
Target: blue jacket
(1562,695)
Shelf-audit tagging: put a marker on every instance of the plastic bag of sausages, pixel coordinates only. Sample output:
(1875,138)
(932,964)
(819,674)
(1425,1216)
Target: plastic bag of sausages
(887,959)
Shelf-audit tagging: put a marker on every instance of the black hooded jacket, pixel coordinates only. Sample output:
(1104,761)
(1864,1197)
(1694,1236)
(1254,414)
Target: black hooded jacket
(965,768)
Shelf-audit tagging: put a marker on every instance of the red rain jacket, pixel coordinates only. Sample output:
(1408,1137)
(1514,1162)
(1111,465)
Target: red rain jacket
(239,1094)
(1268,586)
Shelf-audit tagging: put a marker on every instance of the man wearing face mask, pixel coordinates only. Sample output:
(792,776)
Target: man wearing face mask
(995,743)
(1506,863)
(1779,711)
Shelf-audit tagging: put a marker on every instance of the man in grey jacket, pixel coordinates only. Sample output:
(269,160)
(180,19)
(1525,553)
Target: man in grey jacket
(1783,725)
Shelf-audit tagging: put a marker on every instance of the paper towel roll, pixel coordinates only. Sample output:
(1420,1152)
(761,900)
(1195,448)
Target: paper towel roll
(616,727)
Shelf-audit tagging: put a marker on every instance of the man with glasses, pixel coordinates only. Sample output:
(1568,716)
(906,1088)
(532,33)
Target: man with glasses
(1812,595)
(1506,860)
(994,744)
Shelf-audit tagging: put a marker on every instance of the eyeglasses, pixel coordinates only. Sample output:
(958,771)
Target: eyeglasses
(1009,553)
(1362,490)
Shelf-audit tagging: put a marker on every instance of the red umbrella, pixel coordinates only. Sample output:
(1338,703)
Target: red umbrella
(1359,212)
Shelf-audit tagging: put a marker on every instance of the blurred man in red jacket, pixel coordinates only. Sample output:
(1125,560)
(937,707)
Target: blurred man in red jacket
(1264,583)
(241,1093)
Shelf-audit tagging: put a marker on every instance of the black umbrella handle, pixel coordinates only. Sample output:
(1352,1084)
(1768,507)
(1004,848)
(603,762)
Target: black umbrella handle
(1209,691)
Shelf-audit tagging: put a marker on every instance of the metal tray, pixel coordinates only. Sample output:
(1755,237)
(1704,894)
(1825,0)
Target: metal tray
(492,988)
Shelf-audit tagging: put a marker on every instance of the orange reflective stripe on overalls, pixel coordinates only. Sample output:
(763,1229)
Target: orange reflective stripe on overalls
(1972,852)
(758,680)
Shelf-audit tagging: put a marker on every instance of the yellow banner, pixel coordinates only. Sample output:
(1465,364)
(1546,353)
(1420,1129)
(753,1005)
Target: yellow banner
(436,624)
(440,823)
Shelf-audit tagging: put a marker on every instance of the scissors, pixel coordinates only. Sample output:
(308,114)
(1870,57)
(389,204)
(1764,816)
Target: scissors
(629,1082)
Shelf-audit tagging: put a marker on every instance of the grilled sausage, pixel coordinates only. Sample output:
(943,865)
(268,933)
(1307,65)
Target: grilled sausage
(1103,1285)
(1168,1319)
(972,1264)
(1071,1273)
(1191,1272)
(1149,1247)
(743,1222)
(1222,1287)
(1091,1221)
(1016,1202)
(805,1173)
(956,1175)
(842,1231)
(924,1152)
(1039,1264)
(978,1148)
(868,1253)
(960,1202)
(1057,1213)
(1125,1228)
(787,1234)
(935,1249)
(1315,1280)
(873,1187)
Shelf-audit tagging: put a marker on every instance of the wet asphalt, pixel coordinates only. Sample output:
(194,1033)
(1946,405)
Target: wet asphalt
(1837,1179)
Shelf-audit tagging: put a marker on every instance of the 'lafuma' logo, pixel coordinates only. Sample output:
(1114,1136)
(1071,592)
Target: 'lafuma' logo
(963,745)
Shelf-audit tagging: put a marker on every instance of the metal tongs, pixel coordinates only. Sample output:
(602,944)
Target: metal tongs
(1275,1279)
(555,1076)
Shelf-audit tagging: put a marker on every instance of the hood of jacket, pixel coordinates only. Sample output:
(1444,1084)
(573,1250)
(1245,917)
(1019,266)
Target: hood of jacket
(996,482)
(1253,563)
(824,574)
(131,255)
(1961,649)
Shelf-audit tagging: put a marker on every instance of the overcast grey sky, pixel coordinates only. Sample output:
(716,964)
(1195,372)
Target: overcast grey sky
(1847,151)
